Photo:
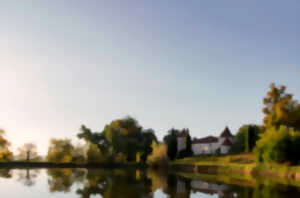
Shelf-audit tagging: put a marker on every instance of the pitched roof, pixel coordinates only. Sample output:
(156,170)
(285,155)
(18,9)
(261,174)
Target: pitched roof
(226,133)
(227,142)
(206,140)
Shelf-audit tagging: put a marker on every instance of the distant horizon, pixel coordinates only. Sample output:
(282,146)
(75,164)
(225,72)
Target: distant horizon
(197,65)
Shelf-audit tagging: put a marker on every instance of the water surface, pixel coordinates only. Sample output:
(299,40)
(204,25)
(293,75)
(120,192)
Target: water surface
(130,183)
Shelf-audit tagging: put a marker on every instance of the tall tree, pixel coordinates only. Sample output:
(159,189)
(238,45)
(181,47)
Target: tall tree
(280,108)
(246,138)
(28,152)
(171,142)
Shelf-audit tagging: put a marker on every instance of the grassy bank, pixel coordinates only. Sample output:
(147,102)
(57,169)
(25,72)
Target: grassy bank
(239,166)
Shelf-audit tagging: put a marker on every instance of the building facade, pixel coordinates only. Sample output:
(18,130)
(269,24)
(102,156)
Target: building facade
(212,145)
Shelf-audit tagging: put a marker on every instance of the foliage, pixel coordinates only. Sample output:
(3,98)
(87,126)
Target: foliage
(246,138)
(278,145)
(5,153)
(280,108)
(159,155)
(171,142)
(60,151)
(28,152)
(79,154)
(94,154)
(122,137)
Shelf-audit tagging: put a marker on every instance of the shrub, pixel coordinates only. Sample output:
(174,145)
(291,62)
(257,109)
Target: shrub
(278,145)
(159,156)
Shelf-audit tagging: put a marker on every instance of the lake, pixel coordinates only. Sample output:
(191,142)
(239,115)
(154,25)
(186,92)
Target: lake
(131,183)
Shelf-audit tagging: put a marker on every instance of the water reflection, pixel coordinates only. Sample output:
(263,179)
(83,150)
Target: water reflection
(131,183)
(28,176)
(61,180)
(5,173)
(116,183)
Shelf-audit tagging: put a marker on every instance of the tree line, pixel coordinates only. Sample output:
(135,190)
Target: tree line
(125,140)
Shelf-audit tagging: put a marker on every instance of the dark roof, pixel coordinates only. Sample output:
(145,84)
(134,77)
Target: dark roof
(226,133)
(206,140)
(227,143)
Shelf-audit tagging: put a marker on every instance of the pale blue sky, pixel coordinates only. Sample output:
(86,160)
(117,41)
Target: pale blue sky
(196,64)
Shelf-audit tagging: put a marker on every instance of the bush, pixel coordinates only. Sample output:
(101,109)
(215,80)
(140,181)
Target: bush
(158,156)
(278,145)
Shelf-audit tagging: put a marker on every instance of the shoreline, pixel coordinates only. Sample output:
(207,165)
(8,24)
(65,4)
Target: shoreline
(11,165)
(239,166)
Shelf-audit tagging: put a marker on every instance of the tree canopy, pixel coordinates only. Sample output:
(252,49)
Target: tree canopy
(60,151)
(280,108)
(122,137)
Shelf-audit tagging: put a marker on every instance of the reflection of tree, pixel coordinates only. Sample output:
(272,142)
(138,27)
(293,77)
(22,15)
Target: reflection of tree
(27,176)
(61,180)
(116,183)
(178,187)
(5,173)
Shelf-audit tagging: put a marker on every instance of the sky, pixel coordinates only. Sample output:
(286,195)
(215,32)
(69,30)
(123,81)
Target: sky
(201,65)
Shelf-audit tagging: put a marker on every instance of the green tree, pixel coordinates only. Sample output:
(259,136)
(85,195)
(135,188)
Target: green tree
(171,142)
(148,136)
(95,138)
(122,137)
(280,108)
(94,154)
(278,145)
(246,138)
(159,155)
(60,151)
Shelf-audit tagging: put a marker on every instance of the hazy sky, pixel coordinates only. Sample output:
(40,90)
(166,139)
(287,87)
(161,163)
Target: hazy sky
(196,64)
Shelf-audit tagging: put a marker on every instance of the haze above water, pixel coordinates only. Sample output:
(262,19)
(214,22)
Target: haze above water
(131,183)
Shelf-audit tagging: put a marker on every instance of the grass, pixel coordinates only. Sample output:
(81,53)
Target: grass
(241,165)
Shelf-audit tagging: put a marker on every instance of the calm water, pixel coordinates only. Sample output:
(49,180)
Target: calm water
(82,183)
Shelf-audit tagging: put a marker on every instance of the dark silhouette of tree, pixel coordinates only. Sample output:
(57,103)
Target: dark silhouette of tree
(171,142)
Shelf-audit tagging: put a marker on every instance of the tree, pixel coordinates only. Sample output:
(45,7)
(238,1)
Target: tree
(278,145)
(122,137)
(5,153)
(246,138)
(28,152)
(60,151)
(94,154)
(171,142)
(159,156)
(280,108)
(96,138)
(148,137)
